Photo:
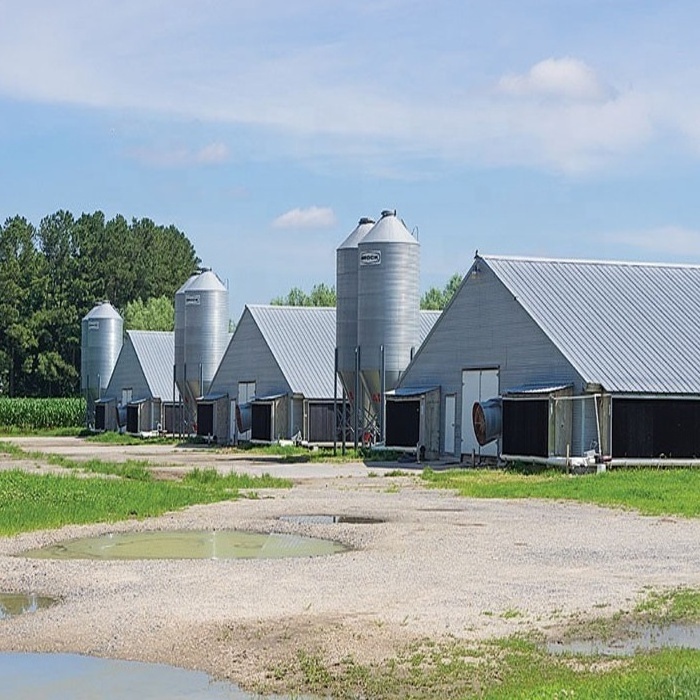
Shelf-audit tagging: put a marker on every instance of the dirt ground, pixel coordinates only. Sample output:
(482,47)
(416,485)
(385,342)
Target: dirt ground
(435,566)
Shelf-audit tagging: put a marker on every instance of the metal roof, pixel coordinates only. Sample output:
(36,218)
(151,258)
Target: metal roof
(302,341)
(389,229)
(155,351)
(427,321)
(544,389)
(410,391)
(102,310)
(357,234)
(631,327)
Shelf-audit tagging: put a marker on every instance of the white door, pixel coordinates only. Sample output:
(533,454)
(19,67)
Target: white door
(246,393)
(477,385)
(449,431)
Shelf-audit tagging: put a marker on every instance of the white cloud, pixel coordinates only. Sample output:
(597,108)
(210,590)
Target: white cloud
(556,77)
(311,218)
(213,154)
(311,91)
(665,240)
(181,156)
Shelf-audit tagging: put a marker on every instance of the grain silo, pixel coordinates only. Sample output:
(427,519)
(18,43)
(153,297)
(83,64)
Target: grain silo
(346,275)
(201,336)
(102,336)
(388,330)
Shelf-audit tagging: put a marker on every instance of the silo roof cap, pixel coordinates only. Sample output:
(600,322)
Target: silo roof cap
(187,283)
(206,281)
(358,233)
(103,310)
(389,229)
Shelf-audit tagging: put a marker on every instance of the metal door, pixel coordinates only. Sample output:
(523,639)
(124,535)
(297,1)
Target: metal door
(246,393)
(450,401)
(477,385)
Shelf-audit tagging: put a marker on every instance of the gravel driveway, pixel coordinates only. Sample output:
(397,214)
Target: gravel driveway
(436,565)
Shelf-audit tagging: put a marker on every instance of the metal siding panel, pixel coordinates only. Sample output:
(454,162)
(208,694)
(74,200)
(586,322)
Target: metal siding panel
(128,373)
(631,327)
(485,326)
(155,353)
(248,358)
(302,342)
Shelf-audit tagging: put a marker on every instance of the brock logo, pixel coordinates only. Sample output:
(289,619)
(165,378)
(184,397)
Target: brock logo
(371,257)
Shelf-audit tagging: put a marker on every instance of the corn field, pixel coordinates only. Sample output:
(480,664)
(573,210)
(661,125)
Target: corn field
(42,414)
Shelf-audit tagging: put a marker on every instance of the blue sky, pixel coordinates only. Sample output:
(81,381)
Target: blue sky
(265,130)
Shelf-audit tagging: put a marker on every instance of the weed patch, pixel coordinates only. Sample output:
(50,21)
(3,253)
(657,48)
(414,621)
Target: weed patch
(650,491)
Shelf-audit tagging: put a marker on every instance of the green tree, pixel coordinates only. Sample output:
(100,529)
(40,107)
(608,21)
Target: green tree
(52,276)
(155,314)
(321,295)
(437,299)
(56,364)
(20,294)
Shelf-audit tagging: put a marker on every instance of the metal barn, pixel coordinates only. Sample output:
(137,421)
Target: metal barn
(277,372)
(567,360)
(142,385)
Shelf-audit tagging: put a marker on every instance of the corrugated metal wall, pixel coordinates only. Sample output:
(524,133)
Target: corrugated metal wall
(248,359)
(486,327)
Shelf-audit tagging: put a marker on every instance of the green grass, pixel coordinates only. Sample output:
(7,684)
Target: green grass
(650,491)
(510,669)
(212,479)
(33,501)
(671,606)
(530,674)
(36,502)
(129,469)
(111,437)
(14,431)
(293,453)
(506,669)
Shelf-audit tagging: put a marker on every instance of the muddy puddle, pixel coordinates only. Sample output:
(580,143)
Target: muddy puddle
(12,604)
(331,519)
(188,544)
(640,637)
(70,676)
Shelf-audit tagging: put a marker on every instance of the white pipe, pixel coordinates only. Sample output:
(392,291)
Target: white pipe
(651,462)
(611,464)
(551,461)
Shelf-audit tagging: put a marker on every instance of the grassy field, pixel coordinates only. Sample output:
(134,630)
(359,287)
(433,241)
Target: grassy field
(650,491)
(38,501)
(517,668)
(520,668)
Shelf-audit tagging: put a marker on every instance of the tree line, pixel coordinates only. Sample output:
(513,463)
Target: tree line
(321,294)
(53,274)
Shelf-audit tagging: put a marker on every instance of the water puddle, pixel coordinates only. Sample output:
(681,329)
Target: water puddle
(71,677)
(188,544)
(331,519)
(642,637)
(12,604)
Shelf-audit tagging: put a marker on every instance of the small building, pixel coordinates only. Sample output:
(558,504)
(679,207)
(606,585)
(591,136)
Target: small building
(141,392)
(277,375)
(549,360)
(278,368)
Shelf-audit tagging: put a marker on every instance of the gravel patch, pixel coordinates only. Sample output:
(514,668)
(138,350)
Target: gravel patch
(437,566)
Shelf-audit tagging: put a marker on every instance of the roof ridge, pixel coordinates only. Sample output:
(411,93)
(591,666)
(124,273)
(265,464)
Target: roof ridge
(588,261)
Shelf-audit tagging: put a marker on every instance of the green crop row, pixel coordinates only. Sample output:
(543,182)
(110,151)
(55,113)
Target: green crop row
(42,414)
